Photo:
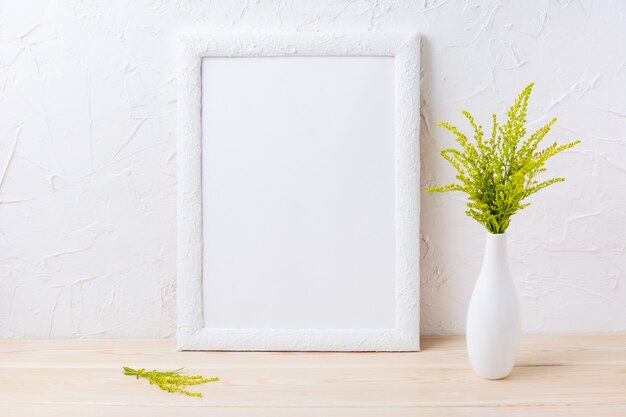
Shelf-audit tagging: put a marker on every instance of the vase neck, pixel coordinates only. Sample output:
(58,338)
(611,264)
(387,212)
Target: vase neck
(495,250)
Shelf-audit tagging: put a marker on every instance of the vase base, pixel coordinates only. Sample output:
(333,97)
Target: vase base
(492,377)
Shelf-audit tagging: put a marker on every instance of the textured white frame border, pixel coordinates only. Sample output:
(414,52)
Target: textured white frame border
(405,48)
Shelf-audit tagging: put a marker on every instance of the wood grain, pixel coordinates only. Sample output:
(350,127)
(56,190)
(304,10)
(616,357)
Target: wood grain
(573,375)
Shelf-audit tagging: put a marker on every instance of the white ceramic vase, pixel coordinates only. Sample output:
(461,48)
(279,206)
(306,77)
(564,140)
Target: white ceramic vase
(493,318)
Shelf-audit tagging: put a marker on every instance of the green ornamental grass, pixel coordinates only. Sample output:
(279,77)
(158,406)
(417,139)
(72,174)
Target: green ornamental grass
(170,381)
(500,172)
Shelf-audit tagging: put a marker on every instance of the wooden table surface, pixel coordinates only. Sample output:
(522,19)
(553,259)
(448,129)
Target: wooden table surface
(555,375)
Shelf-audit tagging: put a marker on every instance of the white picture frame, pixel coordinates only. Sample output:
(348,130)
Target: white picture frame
(404,48)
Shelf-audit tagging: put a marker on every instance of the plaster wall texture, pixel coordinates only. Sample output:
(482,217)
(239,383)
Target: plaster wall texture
(88,154)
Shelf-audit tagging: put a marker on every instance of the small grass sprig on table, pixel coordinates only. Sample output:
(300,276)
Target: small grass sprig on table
(499,172)
(171,381)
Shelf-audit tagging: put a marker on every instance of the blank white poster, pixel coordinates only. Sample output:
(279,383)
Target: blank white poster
(298,192)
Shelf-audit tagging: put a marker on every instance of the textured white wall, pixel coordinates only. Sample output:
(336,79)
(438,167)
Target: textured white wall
(87,154)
